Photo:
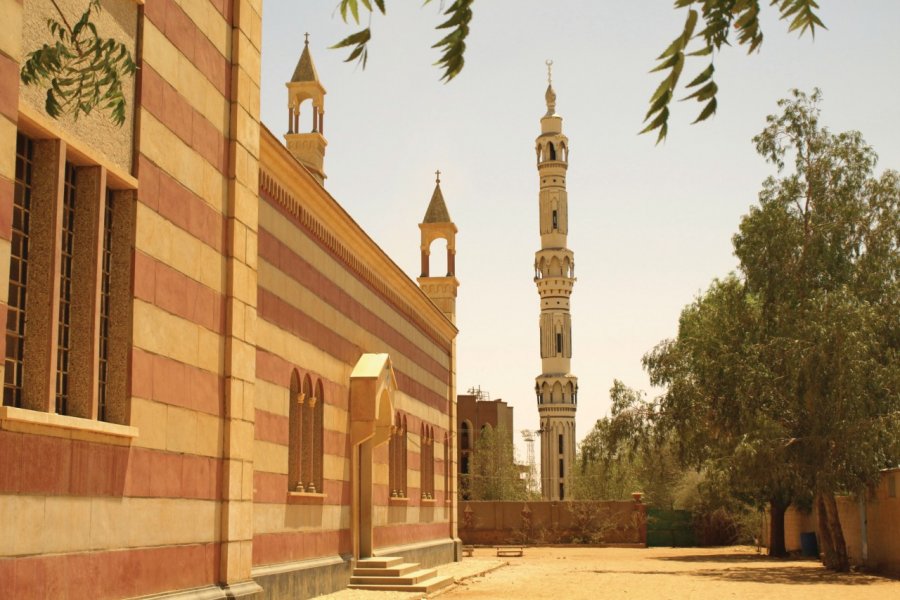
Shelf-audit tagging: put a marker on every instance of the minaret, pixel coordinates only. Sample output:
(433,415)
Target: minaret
(554,273)
(437,224)
(308,148)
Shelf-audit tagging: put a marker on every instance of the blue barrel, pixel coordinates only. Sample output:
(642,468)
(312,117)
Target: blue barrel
(808,544)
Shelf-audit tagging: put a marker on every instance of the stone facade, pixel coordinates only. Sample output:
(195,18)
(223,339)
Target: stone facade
(203,330)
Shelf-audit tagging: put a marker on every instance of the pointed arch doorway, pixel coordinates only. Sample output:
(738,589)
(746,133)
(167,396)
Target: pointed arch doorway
(372,387)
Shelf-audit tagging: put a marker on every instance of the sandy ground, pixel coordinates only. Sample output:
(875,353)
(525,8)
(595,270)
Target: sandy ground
(664,573)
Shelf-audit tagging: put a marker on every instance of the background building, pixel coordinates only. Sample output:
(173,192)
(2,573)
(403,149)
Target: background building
(476,412)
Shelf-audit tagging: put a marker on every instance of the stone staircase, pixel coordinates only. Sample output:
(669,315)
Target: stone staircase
(388,573)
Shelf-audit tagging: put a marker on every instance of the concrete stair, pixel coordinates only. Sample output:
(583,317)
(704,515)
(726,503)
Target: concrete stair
(389,573)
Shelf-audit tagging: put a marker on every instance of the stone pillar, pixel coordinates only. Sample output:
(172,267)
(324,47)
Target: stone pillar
(84,364)
(42,300)
(242,213)
(118,398)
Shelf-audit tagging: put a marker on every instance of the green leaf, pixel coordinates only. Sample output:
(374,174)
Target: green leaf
(707,111)
(703,76)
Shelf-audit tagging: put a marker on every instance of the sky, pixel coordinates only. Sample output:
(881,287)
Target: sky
(650,225)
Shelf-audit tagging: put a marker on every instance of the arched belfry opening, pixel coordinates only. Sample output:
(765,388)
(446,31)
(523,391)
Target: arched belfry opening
(438,226)
(305,136)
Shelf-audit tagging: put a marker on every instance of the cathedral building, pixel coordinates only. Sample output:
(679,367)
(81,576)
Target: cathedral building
(216,385)
(556,388)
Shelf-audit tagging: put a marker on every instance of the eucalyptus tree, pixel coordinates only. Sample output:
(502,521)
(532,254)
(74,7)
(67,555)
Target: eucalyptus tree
(820,254)
(788,374)
(711,407)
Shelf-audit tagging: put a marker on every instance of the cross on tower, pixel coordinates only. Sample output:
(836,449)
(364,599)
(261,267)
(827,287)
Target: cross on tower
(437,175)
(306,35)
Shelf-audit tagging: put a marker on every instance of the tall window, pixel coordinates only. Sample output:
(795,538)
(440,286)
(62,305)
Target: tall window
(105,301)
(18,273)
(446,467)
(427,462)
(398,462)
(67,251)
(70,263)
(305,438)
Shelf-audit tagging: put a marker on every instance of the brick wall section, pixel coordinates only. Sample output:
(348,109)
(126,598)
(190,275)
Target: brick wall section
(492,523)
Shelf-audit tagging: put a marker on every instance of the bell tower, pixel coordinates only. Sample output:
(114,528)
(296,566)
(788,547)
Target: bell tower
(308,147)
(437,224)
(556,388)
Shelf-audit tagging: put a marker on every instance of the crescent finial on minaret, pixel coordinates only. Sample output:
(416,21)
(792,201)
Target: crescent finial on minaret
(550,95)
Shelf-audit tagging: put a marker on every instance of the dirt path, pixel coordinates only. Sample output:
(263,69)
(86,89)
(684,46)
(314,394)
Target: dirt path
(666,573)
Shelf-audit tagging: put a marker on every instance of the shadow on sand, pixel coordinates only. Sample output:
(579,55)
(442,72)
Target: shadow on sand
(752,568)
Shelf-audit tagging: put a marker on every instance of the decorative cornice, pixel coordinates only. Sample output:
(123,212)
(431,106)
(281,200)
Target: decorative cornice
(285,181)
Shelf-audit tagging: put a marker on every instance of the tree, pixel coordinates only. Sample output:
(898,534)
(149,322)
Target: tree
(720,424)
(626,452)
(792,366)
(821,253)
(493,473)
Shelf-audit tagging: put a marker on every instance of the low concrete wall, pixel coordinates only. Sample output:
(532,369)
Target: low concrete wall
(303,579)
(875,546)
(492,523)
(310,578)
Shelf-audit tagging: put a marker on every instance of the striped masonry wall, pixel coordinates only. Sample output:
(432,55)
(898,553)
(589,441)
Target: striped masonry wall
(93,518)
(318,313)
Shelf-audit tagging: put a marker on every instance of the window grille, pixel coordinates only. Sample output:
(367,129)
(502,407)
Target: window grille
(65,291)
(18,273)
(106,269)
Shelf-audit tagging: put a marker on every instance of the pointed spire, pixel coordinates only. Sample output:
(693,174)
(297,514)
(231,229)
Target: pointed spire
(437,208)
(305,70)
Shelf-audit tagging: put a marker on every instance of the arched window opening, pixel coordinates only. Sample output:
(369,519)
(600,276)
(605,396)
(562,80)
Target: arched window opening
(555,219)
(397,451)
(552,150)
(305,435)
(317,443)
(295,411)
(446,467)
(427,466)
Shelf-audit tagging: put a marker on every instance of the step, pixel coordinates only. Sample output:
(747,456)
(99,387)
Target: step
(426,587)
(401,569)
(406,579)
(379,562)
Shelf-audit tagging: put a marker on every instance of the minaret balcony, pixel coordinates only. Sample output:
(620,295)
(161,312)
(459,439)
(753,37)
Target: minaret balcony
(555,286)
(552,164)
